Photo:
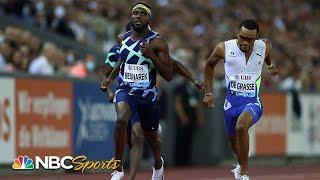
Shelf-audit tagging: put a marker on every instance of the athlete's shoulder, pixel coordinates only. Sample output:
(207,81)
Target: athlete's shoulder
(123,36)
(114,49)
(230,41)
(120,38)
(221,46)
(267,42)
(157,37)
(159,43)
(230,44)
(219,50)
(154,35)
(267,45)
(155,32)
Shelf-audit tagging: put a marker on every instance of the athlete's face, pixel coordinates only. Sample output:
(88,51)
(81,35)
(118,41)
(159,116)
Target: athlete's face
(246,38)
(140,20)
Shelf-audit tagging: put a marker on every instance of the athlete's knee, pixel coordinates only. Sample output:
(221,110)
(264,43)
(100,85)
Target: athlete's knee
(123,114)
(242,126)
(137,130)
(137,140)
(244,122)
(152,137)
(121,123)
(137,135)
(129,142)
(233,140)
(241,129)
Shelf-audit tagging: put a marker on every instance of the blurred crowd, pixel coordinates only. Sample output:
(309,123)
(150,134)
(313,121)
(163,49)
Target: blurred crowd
(191,27)
(22,52)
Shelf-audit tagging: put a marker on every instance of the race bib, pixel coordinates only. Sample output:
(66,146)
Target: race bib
(136,75)
(243,83)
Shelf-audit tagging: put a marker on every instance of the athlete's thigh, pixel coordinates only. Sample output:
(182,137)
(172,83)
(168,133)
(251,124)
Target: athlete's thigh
(230,122)
(123,111)
(230,119)
(125,106)
(131,123)
(149,115)
(255,110)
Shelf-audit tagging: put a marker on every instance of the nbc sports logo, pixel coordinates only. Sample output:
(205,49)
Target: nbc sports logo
(55,162)
(23,162)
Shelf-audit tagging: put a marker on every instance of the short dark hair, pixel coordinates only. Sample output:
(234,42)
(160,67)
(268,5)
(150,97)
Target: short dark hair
(250,24)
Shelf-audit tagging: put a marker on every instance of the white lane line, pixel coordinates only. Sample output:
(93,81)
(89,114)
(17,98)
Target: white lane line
(276,176)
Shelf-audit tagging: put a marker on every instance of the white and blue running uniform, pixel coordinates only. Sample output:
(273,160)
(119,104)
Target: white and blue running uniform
(243,79)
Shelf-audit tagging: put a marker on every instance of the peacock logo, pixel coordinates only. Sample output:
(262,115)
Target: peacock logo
(23,162)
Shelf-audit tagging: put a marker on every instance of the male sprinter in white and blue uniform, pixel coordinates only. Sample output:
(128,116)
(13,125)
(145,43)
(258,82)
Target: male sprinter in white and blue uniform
(143,53)
(243,61)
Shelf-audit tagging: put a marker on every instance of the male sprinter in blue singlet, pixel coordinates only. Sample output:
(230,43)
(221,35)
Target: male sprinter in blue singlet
(134,130)
(243,61)
(143,53)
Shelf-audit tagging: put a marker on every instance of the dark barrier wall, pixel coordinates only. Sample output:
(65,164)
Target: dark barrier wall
(93,122)
(78,111)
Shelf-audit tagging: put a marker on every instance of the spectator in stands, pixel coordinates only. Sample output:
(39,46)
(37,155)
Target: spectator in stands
(292,26)
(84,68)
(6,51)
(34,45)
(43,64)
(2,62)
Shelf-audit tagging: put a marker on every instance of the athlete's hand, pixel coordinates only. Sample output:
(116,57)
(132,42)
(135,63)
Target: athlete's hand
(273,71)
(146,50)
(208,101)
(198,84)
(105,84)
(110,95)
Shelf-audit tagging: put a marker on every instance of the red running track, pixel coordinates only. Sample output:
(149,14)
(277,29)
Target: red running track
(310,172)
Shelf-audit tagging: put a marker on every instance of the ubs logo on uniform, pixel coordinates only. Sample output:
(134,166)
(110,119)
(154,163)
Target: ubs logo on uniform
(242,77)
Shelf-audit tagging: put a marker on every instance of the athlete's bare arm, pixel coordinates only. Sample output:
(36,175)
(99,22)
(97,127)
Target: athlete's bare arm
(104,85)
(183,71)
(273,71)
(217,54)
(107,81)
(162,62)
(108,91)
(108,68)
